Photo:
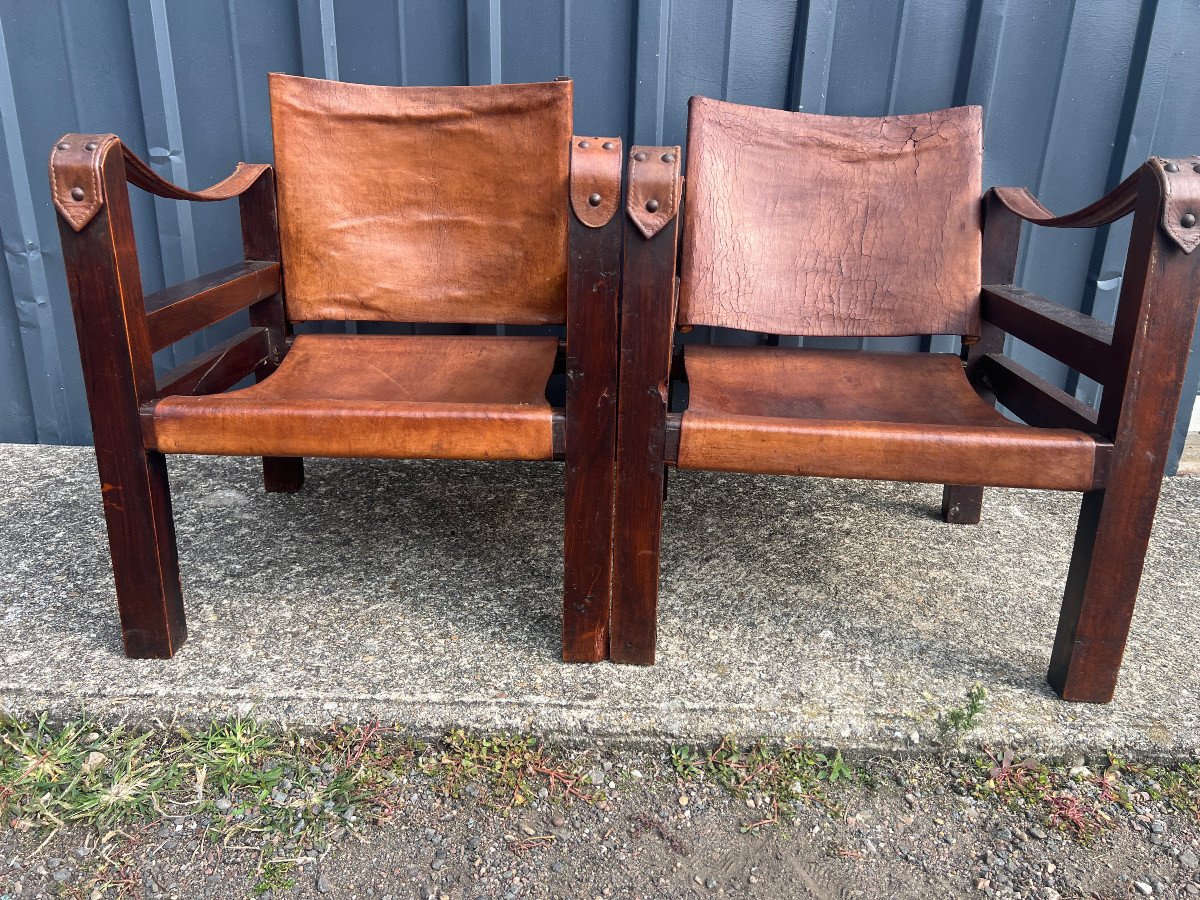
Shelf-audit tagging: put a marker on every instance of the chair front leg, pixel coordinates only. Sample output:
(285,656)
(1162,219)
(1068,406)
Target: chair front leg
(1152,336)
(647,317)
(594,268)
(88,182)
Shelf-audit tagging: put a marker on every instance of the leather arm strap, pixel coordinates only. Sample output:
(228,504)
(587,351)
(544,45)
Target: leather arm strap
(76,186)
(1120,202)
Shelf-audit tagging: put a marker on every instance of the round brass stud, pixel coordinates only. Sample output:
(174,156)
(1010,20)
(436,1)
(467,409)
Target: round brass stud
(90,145)
(1196,168)
(652,206)
(608,145)
(1188,220)
(64,146)
(583,145)
(1171,167)
(640,156)
(668,157)
(594,199)
(77,193)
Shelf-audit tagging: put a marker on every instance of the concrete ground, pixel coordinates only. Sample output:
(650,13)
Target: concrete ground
(427,594)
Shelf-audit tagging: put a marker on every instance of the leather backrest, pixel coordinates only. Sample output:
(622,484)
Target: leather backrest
(423,204)
(831,225)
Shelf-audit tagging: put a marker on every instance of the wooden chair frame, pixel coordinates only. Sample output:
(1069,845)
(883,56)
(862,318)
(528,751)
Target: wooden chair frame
(119,329)
(1139,361)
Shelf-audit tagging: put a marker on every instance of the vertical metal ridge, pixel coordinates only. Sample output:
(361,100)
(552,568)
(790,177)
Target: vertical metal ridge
(44,377)
(812,55)
(653,35)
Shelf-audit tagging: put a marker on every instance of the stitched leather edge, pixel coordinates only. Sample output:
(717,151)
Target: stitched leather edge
(654,180)
(595,172)
(73,167)
(1181,197)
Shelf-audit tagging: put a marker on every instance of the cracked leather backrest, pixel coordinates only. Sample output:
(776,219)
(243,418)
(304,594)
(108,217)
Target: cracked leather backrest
(413,204)
(831,225)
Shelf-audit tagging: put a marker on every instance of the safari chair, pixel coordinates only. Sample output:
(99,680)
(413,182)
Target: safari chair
(470,205)
(807,225)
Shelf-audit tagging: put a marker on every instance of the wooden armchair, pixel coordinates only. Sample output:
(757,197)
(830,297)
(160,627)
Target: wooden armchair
(468,205)
(856,227)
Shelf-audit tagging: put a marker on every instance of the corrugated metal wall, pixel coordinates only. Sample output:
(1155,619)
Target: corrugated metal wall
(1077,93)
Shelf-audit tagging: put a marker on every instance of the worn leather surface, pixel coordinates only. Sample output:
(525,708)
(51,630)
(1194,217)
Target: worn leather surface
(440,204)
(595,173)
(831,225)
(853,414)
(1182,191)
(1119,202)
(75,168)
(409,396)
(655,187)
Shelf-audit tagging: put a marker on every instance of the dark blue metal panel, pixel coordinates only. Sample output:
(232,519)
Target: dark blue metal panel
(1077,94)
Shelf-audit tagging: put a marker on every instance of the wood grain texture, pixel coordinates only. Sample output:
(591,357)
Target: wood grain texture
(400,397)
(831,225)
(647,317)
(854,414)
(183,309)
(114,346)
(593,280)
(963,504)
(416,204)
(1035,400)
(260,241)
(1156,315)
(1071,337)
(221,366)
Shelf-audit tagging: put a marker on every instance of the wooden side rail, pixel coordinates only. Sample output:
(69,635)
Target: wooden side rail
(220,367)
(185,308)
(1071,337)
(1034,399)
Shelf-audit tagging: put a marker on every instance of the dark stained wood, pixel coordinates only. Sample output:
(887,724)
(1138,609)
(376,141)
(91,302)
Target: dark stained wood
(593,280)
(182,309)
(106,296)
(260,241)
(1078,340)
(1156,315)
(963,504)
(1034,399)
(647,317)
(220,367)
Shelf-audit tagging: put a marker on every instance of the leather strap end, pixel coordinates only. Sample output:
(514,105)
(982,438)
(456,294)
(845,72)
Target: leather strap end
(654,188)
(595,179)
(76,188)
(1180,180)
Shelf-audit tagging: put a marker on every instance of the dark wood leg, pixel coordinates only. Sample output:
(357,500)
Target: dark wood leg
(141,537)
(647,329)
(283,474)
(962,504)
(1102,585)
(594,266)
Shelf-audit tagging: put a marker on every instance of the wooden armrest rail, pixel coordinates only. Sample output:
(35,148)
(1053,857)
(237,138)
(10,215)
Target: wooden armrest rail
(182,309)
(1119,202)
(1073,338)
(220,367)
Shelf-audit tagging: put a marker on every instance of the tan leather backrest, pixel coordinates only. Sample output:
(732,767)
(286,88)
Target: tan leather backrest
(416,204)
(830,225)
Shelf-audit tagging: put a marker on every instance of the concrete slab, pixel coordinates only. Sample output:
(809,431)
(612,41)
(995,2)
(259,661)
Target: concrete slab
(427,594)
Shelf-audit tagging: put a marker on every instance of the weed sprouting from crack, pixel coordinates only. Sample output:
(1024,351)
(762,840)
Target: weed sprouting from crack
(774,778)
(955,722)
